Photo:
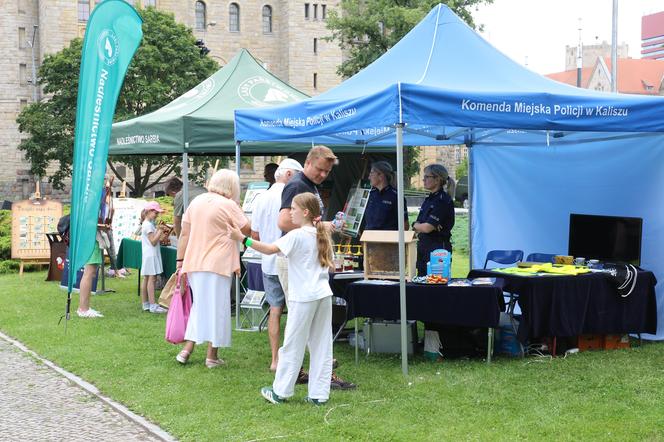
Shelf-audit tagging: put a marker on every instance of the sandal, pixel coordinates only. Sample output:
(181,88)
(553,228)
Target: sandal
(214,363)
(183,357)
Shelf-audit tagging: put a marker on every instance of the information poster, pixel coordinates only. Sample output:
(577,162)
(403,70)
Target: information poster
(126,218)
(253,190)
(355,207)
(31,221)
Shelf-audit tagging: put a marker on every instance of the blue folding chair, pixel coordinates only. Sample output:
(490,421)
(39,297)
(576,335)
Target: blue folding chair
(504,257)
(507,257)
(540,257)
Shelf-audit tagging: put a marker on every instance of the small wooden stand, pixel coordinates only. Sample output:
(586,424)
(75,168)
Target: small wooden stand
(381,254)
(30,261)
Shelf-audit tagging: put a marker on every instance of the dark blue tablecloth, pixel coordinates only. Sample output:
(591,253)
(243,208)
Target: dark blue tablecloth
(476,306)
(576,305)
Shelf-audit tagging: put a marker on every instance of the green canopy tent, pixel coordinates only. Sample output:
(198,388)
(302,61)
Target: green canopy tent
(201,120)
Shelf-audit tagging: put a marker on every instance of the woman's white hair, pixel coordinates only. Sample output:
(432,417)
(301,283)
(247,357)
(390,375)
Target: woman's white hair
(225,182)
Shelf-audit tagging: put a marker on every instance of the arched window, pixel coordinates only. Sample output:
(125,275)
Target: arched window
(83,10)
(234,17)
(267,19)
(200,15)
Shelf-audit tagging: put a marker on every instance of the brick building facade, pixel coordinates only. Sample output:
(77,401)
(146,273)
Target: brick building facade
(286,35)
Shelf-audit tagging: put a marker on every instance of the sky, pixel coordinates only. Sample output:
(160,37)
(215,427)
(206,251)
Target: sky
(535,32)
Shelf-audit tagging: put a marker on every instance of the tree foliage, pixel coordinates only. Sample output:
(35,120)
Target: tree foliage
(462,168)
(365,29)
(166,65)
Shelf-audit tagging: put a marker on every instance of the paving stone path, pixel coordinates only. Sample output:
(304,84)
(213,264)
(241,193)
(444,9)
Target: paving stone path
(38,403)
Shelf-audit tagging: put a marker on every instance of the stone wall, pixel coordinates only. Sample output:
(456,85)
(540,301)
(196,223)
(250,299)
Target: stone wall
(448,156)
(287,52)
(591,53)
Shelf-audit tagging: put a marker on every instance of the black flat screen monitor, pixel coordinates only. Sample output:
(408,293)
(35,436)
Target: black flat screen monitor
(607,238)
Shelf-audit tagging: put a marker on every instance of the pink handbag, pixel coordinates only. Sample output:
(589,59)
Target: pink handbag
(178,314)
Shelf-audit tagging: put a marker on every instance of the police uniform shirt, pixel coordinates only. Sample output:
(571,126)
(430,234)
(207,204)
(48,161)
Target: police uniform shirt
(297,185)
(437,210)
(382,208)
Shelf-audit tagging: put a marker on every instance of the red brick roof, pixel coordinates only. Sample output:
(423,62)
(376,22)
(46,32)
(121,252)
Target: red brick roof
(635,76)
(569,77)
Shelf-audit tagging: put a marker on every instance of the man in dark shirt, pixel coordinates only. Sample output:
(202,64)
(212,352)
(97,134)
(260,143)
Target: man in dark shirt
(382,205)
(318,165)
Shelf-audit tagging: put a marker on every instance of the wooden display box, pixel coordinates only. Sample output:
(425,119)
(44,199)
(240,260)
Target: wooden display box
(381,254)
(614,342)
(591,342)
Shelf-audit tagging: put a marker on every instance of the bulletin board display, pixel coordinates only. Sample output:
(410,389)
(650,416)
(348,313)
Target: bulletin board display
(31,220)
(126,218)
(253,190)
(354,208)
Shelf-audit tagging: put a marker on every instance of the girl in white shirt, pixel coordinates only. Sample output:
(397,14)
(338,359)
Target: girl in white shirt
(309,252)
(151,265)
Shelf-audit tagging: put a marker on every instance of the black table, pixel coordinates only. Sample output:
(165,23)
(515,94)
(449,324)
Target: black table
(563,306)
(475,306)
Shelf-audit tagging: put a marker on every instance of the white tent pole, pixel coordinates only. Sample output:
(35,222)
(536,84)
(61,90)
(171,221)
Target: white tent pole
(237,278)
(402,253)
(470,207)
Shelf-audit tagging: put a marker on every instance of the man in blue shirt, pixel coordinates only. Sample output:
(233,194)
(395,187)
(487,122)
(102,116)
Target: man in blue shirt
(381,212)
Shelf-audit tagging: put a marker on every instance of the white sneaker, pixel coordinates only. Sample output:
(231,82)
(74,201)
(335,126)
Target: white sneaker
(156,308)
(146,306)
(89,313)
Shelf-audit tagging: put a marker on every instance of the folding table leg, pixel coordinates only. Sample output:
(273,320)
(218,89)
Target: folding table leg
(357,348)
(489,345)
(139,282)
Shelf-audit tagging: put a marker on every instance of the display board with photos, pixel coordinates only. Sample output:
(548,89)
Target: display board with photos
(31,221)
(356,204)
(126,218)
(253,191)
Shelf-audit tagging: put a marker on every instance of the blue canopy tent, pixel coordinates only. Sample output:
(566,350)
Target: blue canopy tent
(443,84)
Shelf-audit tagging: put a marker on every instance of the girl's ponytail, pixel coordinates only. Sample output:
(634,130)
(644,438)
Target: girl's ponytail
(324,243)
(308,201)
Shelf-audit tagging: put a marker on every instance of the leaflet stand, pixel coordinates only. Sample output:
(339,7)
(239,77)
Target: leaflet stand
(103,277)
(252,311)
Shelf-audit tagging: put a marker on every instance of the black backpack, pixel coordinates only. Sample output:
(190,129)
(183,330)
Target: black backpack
(63,228)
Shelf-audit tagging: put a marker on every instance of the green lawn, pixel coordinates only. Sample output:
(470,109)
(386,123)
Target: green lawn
(595,395)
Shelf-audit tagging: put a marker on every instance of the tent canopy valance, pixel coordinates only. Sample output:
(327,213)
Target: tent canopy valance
(455,83)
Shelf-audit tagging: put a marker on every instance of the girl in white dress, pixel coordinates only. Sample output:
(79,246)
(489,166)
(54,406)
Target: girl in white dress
(151,265)
(309,252)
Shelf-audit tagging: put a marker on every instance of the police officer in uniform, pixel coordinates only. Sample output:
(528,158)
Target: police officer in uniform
(436,218)
(381,212)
